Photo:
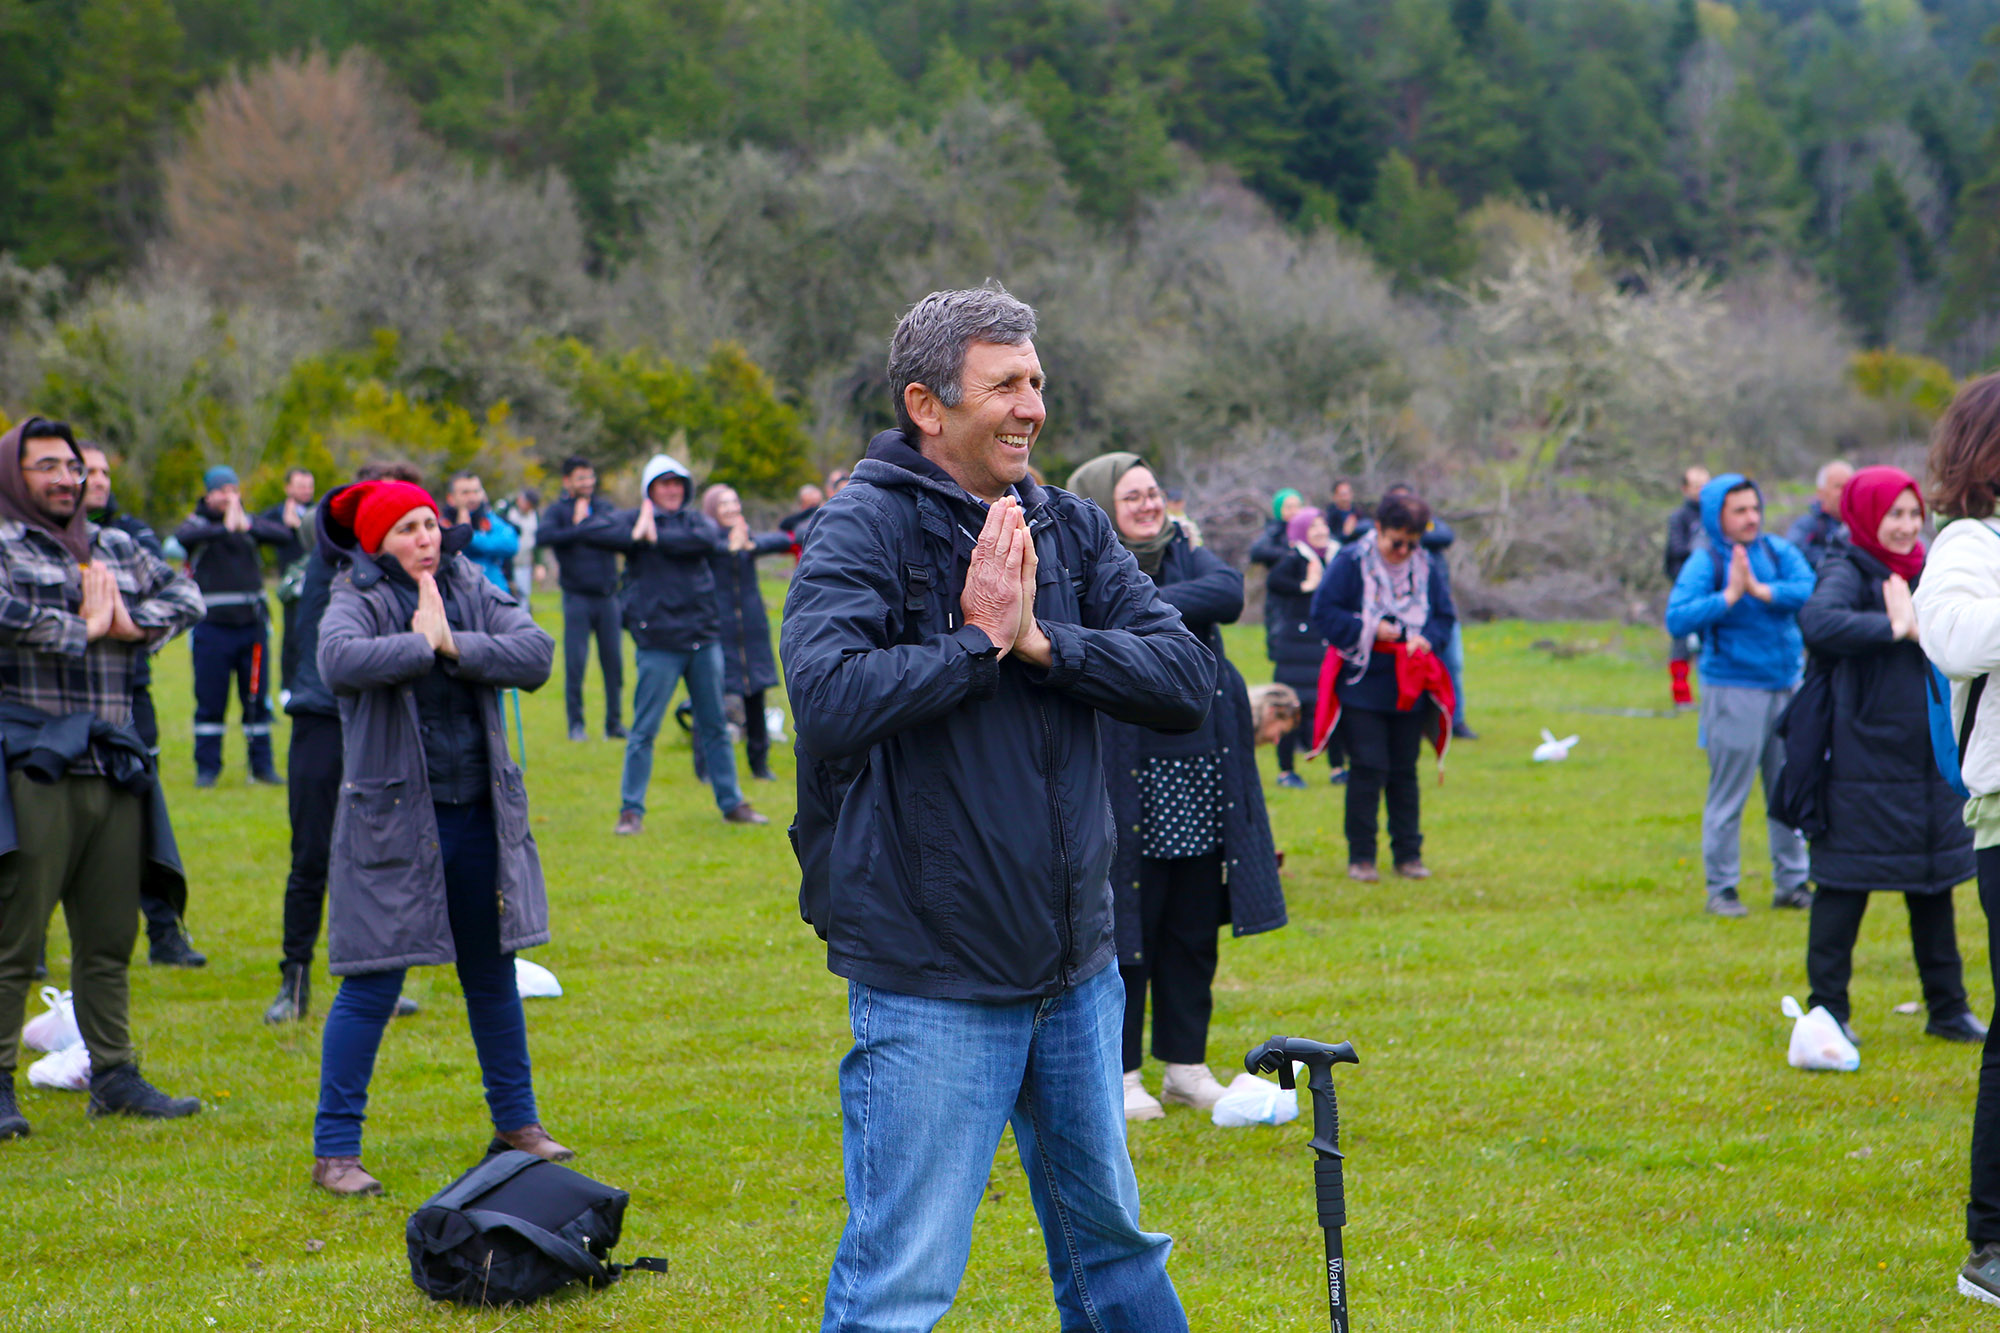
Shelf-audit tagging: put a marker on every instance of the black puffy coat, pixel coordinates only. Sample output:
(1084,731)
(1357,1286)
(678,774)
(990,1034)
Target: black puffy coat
(747,663)
(1208,594)
(954,832)
(1892,823)
(1296,646)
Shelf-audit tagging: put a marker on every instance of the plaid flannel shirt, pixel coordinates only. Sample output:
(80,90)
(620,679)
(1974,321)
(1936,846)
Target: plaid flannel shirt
(47,660)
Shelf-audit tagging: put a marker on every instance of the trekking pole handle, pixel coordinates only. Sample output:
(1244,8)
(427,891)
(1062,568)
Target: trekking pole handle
(1276,1057)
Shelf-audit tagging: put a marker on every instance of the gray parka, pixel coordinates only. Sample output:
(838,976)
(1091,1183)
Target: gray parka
(386,902)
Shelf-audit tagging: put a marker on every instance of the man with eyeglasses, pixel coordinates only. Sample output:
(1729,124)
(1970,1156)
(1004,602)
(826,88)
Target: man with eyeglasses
(221,540)
(81,820)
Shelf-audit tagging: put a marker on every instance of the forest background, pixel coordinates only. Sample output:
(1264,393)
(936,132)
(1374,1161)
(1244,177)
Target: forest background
(1534,255)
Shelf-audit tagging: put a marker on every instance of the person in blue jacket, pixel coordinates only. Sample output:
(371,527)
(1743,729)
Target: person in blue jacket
(494,541)
(1742,593)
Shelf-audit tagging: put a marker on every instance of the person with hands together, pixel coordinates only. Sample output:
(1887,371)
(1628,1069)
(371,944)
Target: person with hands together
(749,668)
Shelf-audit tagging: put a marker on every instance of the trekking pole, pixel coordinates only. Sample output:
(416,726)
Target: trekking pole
(1276,1056)
(520,740)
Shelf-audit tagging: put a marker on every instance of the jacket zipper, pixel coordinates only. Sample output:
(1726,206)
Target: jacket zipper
(1062,846)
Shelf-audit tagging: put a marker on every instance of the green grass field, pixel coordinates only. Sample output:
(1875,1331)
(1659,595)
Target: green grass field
(1573,1110)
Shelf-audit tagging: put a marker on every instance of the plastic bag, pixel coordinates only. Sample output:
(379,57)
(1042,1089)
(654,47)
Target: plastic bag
(1553,751)
(67,1069)
(535,982)
(56,1029)
(774,724)
(1255,1101)
(1817,1041)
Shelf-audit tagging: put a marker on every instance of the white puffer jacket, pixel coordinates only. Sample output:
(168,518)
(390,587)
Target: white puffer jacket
(1958,623)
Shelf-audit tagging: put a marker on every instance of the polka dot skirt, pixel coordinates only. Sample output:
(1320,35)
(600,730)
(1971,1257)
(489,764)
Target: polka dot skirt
(1180,801)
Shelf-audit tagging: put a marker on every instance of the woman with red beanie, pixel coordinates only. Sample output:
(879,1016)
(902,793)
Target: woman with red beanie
(433,861)
(1886,822)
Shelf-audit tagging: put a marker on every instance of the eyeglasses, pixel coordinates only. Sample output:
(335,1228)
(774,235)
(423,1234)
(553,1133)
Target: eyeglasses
(1140,497)
(50,466)
(1404,544)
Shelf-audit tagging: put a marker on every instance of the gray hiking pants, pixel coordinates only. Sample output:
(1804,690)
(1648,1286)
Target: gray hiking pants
(1739,729)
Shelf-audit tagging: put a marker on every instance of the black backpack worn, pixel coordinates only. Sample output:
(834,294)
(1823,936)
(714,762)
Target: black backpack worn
(515,1228)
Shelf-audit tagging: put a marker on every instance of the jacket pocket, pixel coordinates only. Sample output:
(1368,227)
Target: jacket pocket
(380,832)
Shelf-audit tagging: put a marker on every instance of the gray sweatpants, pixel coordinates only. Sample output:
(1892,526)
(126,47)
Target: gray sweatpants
(1739,729)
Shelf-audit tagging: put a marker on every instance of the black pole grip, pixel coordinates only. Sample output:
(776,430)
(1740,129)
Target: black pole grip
(1329,1192)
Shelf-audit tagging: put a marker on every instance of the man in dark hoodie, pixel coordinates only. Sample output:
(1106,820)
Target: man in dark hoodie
(951,635)
(670,609)
(167,939)
(234,639)
(80,824)
(578,528)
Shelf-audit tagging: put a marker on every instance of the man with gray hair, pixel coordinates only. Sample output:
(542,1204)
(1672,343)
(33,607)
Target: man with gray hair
(951,634)
(1819,530)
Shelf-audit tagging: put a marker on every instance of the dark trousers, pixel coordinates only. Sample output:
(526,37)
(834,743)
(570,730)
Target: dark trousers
(288,647)
(1982,1209)
(583,616)
(1180,909)
(1382,751)
(1300,738)
(1836,923)
(81,847)
(222,653)
(471,853)
(756,733)
(312,771)
(161,920)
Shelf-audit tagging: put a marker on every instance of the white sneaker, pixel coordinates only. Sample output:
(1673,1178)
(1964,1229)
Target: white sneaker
(1191,1085)
(1140,1104)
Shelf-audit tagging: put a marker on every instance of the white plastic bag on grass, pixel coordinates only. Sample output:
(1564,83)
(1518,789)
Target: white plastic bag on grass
(1255,1101)
(1817,1041)
(535,982)
(54,1030)
(774,724)
(67,1069)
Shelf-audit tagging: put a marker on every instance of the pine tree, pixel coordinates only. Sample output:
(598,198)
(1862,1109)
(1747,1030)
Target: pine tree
(1412,225)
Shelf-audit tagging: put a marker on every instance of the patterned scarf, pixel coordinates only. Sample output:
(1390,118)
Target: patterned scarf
(1399,591)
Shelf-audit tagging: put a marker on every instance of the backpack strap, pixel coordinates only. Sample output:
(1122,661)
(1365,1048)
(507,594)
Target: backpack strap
(494,1171)
(571,1256)
(1972,695)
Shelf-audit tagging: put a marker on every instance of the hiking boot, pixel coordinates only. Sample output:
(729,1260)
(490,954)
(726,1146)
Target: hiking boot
(746,814)
(268,778)
(1140,1104)
(630,822)
(531,1139)
(1413,870)
(614,731)
(176,950)
(405,1006)
(1461,732)
(1964,1028)
(206,779)
(344,1176)
(1726,903)
(1291,782)
(13,1125)
(294,994)
(1980,1278)
(1191,1085)
(1798,899)
(1364,871)
(577,733)
(120,1090)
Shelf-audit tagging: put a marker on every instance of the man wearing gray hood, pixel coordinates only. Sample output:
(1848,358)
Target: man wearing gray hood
(669,606)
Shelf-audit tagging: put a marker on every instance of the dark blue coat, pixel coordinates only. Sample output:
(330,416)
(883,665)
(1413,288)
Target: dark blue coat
(1208,594)
(747,663)
(1336,610)
(954,830)
(668,594)
(586,552)
(1295,644)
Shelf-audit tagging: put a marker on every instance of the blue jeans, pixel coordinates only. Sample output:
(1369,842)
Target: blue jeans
(1453,654)
(470,850)
(924,1094)
(659,672)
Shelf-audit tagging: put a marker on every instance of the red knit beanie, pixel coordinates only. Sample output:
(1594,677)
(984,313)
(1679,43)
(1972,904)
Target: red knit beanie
(371,508)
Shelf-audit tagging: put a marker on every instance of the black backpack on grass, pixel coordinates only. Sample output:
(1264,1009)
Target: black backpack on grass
(515,1228)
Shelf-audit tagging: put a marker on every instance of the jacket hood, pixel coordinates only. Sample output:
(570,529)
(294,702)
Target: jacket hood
(1711,508)
(337,544)
(663,465)
(892,461)
(73,535)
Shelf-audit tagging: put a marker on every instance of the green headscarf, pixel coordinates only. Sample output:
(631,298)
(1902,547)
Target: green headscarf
(1278,502)
(1098,481)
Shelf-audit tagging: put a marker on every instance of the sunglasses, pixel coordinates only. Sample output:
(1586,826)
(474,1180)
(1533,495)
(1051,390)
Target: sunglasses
(1404,544)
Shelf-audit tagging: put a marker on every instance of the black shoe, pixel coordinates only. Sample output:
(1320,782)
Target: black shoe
(1964,1028)
(1848,1032)
(1338,777)
(1461,732)
(1799,899)
(294,994)
(176,950)
(763,775)
(121,1091)
(1980,1278)
(405,1006)
(577,733)
(1726,903)
(206,779)
(268,778)
(613,732)
(13,1125)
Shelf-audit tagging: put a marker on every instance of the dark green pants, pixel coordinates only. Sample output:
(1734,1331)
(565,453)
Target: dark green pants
(81,846)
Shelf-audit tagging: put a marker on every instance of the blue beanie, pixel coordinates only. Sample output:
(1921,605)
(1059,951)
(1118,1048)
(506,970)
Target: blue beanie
(219,475)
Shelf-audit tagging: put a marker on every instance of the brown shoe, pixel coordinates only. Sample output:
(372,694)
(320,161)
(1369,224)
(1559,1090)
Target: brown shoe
(344,1176)
(629,822)
(530,1139)
(1363,871)
(1413,870)
(746,814)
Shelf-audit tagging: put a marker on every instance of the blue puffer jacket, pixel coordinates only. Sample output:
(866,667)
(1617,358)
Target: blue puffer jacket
(1753,644)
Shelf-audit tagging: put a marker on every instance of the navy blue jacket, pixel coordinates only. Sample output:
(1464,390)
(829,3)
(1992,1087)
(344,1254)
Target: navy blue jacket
(668,593)
(1817,534)
(309,692)
(586,552)
(954,830)
(1208,594)
(1295,644)
(1336,610)
(747,663)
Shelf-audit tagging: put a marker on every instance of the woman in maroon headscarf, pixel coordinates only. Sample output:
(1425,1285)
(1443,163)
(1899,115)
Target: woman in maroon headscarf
(1891,825)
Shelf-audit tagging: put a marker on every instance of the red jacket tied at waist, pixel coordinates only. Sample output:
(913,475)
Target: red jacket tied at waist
(1417,675)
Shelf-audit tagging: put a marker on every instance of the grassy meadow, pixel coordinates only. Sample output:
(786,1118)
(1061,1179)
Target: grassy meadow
(1573,1111)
